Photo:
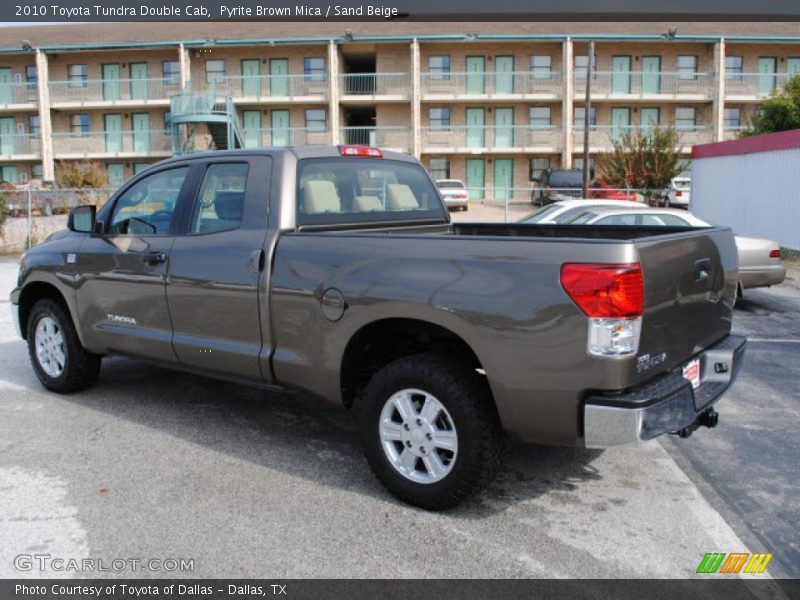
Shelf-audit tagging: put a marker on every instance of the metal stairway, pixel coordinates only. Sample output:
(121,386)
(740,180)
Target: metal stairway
(191,111)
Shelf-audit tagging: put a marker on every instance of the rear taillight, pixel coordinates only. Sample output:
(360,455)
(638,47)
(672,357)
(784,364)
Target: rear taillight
(678,194)
(775,254)
(367,151)
(612,296)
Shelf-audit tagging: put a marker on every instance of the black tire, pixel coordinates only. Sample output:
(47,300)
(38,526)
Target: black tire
(81,368)
(466,397)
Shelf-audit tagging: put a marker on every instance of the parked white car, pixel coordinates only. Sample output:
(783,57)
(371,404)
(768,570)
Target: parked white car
(679,193)
(566,210)
(454,193)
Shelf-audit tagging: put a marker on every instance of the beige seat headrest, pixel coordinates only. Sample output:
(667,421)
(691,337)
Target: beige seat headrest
(401,197)
(321,197)
(366,204)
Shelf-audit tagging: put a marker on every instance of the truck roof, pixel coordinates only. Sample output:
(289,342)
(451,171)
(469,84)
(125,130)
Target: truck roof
(299,152)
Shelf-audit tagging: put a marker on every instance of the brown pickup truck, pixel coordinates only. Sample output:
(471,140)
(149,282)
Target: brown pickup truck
(337,270)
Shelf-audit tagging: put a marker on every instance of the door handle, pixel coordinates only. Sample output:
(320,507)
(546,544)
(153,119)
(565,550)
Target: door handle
(256,261)
(154,258)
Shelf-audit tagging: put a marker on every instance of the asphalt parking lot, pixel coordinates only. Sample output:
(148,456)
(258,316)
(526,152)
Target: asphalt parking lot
(247,483)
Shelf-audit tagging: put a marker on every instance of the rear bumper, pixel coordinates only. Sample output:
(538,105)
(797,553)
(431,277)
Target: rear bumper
(767,275)
(666,404)
(456,202)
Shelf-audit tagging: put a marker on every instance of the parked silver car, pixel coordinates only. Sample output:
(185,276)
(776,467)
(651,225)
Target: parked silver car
(679,193)
(454,193)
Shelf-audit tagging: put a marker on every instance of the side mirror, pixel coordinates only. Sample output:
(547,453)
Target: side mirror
(81,219)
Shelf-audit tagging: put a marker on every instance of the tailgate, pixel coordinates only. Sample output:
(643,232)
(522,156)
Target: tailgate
(689,292)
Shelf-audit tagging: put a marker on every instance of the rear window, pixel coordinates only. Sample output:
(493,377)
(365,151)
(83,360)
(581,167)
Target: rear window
(363,190)
(565,179)
(450,185)
(682,183)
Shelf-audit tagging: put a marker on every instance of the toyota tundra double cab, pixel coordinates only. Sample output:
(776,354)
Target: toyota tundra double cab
(336,270)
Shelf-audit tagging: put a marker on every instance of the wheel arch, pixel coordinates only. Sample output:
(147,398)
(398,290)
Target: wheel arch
(34,291)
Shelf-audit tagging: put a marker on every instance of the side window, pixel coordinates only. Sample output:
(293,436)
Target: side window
(673,221)
(653,220)
(146,208)
(220,202)
(618,220)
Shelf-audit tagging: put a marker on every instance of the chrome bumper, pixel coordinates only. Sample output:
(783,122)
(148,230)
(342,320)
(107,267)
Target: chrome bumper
(666,404)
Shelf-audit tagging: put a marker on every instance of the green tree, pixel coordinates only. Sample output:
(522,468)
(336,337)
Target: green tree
(779,112)
(81,174)
(643,159)
(3,212)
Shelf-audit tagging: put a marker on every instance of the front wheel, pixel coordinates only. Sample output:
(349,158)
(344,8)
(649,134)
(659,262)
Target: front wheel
(430,430)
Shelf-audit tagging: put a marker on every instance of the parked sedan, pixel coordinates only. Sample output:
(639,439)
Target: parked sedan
(759,259)
(454,193)
(566,210)
(679,193)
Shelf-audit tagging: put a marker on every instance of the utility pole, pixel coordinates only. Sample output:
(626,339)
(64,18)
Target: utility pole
(587,111)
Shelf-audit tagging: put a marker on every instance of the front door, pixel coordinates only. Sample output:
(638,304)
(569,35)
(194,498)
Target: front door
(767,75)
(279,125)
(251,122)
(7,136)
(504,127)
(475,128)
(621,75)
(111,88)
(122,298)
(112,125)
(251,77)
(139,81)
(116,175)
(141,132)
(650,118)
(279,77)
(217,272)
(6,88)
(651,74)
(476,178)
(620,121)
(504,75)
(476,74)
(793,66)
(503,178)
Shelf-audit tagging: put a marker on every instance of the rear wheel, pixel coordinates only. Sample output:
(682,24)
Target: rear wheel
(59,360)
(430,430)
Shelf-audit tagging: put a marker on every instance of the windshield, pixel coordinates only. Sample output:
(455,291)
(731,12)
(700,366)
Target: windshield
(450,185)
(539,215)
(355,190)
(565,179)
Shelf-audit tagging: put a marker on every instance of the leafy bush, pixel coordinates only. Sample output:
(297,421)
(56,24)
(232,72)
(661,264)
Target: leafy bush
(81,174)
(3,212)
(779,112)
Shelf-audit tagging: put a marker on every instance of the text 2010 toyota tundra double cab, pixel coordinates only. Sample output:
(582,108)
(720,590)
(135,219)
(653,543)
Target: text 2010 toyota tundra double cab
(336,270)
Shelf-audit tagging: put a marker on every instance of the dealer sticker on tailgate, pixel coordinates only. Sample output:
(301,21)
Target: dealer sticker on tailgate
(691,371)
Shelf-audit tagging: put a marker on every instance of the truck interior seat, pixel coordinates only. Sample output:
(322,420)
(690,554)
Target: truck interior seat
(366,204)
(321,197)
(401,197)
(228,206)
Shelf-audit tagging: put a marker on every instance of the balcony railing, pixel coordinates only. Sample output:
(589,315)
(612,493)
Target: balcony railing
(285,136)
(603,136)
(732,132)
(18,93)
(269,86)
(492,84)
(19,144)
(646,84)
(113,90)
(375,84)
(396,137)
(112,143)
(754,85)
(491,137)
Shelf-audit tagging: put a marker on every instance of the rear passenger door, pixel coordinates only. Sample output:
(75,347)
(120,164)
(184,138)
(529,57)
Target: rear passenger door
(218,273)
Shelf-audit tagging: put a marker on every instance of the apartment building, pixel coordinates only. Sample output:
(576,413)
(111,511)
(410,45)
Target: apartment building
(494,107)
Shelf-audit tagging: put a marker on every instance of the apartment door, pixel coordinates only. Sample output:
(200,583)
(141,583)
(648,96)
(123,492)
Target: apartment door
(139,81)
(111,89)
(141,132)
(7,139)
(504,127)
(503,178)
(651,74)
(251,77)
(793,66)
(620,121)
(279,77)
(112,125)
(621,75)
(6,89)
(251,122)
(504,74)
(476,74)
(8,173)
(650,118)
(767,75)
(279,124)
(476,178)
(475,128)
(116,174)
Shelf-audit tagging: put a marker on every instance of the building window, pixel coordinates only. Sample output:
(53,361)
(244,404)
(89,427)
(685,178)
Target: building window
(314,69)
(541,66)
(687,67)
(580,117)
(579,165)
(171,70)
(168,121)
(139,167)
(439,168)
(8,173)
(733,68)
(439,67)
(685,117)
(77,75)
(733,118)
(79,124)
(540,117)
(582,63)
(537,166)
(439,118)
(34,125)
(215,70)
(315,119)
(37,171)
(31,76)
